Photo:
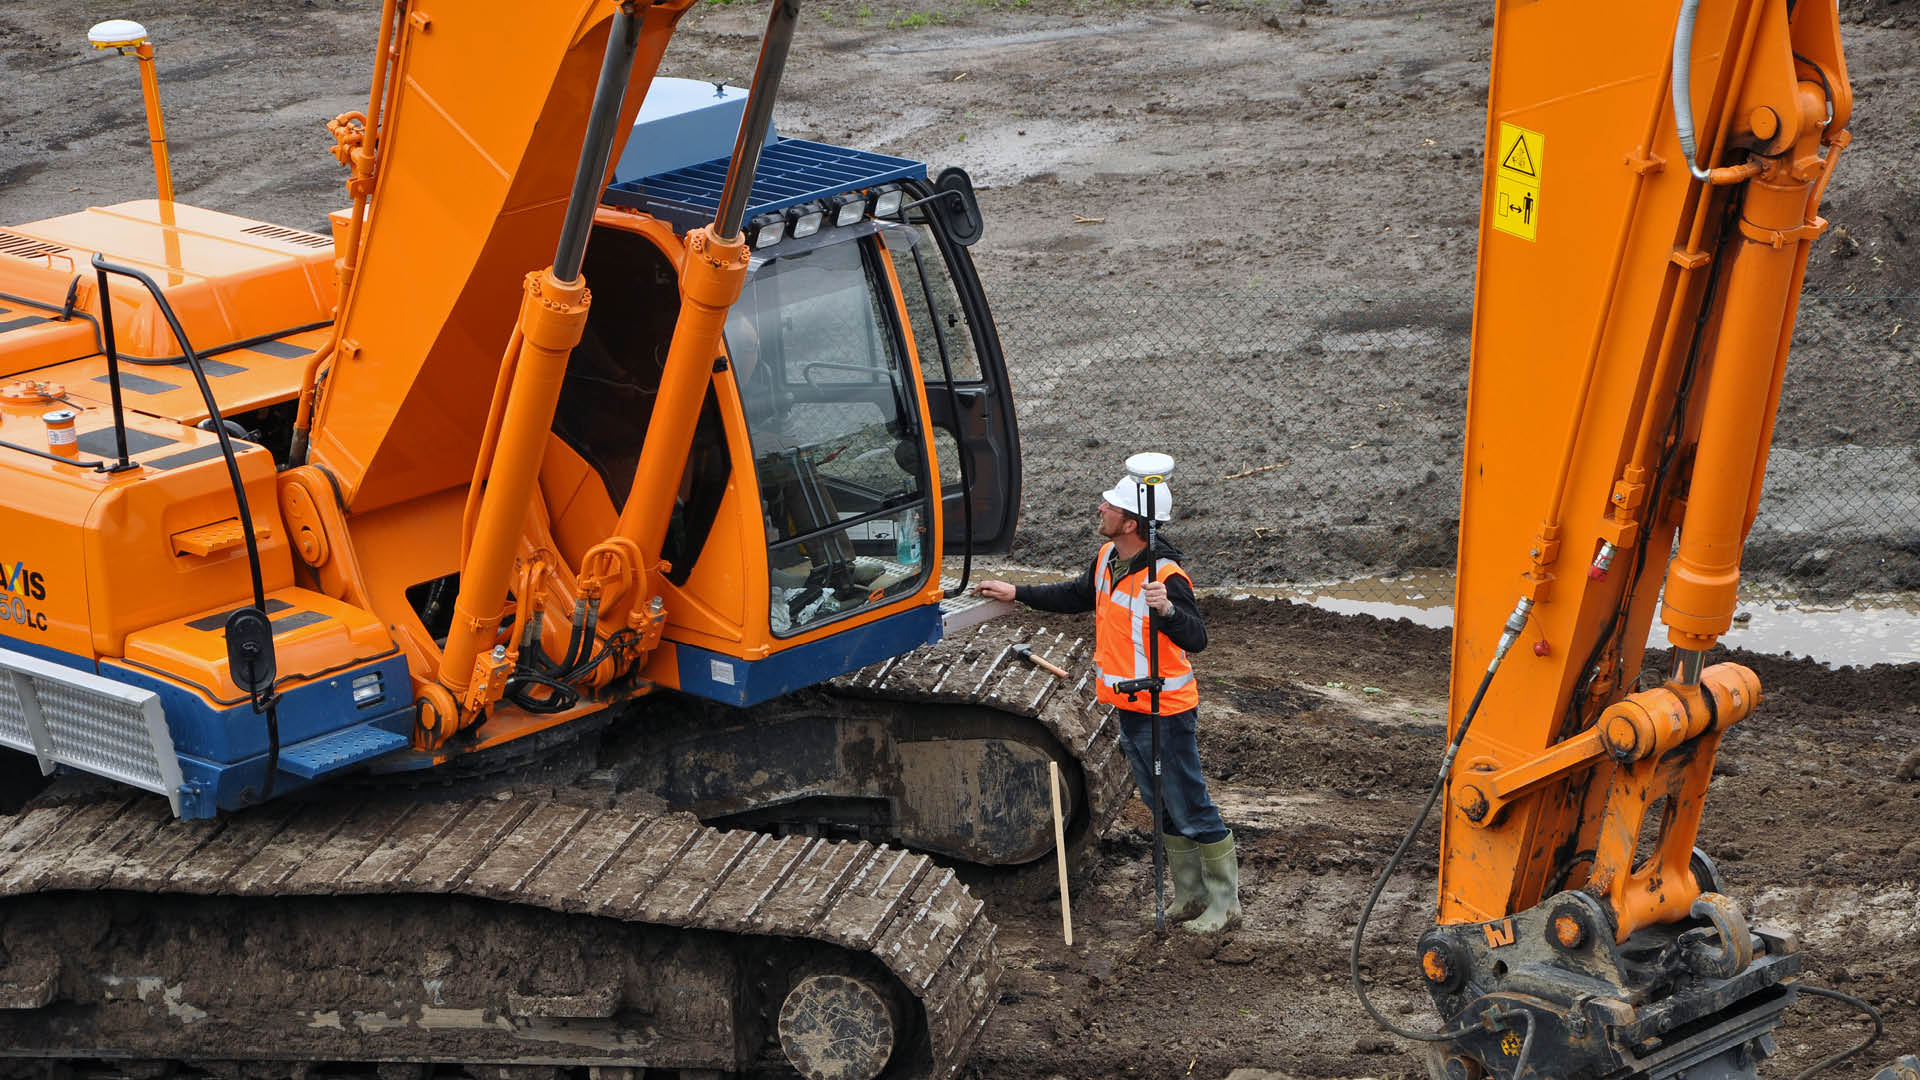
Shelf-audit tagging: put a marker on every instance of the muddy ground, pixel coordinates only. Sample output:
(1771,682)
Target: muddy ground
(1214,142)
(1320,735)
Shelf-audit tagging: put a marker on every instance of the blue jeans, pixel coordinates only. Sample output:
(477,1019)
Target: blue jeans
(1189,812)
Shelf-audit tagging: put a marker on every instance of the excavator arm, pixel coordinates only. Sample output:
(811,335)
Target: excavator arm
(1630,335)
(1651,193)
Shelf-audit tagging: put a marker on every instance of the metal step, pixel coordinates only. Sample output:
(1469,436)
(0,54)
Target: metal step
(343,749)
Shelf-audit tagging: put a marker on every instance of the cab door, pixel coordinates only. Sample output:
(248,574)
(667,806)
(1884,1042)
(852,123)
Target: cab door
(968,394)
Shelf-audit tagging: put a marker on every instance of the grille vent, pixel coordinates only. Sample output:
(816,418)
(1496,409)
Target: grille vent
(288,236)
(26,247)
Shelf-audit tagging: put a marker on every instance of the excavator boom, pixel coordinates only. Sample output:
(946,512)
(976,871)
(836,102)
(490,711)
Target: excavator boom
(478,139)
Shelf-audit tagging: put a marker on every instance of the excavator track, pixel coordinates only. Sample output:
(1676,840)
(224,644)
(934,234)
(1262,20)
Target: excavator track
(944,749)
(517,935)
(981,666)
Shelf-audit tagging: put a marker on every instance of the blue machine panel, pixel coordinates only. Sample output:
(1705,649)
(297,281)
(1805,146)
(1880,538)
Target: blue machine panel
(791,172)
(733,681)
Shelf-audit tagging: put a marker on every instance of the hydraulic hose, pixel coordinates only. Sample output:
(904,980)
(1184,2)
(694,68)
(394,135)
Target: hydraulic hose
(1516,622)
(1872,1014)
(1683,84)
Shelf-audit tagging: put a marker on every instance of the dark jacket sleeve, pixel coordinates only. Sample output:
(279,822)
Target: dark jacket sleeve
(1072,596)
(1184,627)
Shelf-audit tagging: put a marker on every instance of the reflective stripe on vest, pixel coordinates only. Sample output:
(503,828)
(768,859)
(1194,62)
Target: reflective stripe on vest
(1120,619)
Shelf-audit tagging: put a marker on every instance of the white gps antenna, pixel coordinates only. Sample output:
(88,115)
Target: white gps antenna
(1149,469)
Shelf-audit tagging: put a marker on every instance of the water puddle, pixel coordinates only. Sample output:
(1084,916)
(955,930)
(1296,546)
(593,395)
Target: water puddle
(1869,630)
(1882,629)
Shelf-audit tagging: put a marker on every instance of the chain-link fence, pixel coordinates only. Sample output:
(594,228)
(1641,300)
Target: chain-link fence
(1319,436)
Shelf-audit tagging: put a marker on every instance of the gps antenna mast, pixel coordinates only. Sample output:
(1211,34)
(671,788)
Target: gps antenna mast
(1150,471)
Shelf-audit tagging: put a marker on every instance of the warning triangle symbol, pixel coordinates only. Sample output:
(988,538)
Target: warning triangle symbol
(1519,159)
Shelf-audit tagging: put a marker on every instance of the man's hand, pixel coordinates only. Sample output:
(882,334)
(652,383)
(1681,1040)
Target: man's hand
(1155,594)
(995,590)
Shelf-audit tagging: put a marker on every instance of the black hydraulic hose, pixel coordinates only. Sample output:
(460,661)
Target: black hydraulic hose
(619,639)
(1380,883)
(1825,86)
(1872,1013)
(575,650)
(264,701)
(560,697)
(1662,474)
(1516,622)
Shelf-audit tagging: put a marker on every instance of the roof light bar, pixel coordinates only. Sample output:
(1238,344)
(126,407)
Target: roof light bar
(849,209)
(768,230)
(807,219)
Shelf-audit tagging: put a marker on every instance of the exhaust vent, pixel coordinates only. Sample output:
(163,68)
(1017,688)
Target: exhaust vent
(288,236)
(26,247)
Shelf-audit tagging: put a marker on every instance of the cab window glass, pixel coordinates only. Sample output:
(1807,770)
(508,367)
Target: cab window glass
(833,418)
(933,307)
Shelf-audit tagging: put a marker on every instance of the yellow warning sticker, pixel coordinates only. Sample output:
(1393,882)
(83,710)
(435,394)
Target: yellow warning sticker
(1516,207)
(1521,152)
(1516,181)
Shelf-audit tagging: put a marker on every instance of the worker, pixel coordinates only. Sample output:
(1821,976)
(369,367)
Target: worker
(1200,851)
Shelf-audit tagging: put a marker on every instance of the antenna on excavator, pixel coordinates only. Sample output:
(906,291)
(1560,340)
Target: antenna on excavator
(128,36)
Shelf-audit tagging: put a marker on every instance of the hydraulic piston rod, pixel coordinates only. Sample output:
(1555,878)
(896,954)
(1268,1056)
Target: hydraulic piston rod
(553,316)
(711,280)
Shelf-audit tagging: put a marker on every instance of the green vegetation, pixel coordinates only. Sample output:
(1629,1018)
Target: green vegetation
(914,20)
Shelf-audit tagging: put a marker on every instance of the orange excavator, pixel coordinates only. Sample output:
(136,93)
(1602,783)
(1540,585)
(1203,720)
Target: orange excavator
(400,623)
(1651,194)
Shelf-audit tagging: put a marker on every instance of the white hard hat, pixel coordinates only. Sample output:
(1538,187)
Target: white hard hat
(1130,495)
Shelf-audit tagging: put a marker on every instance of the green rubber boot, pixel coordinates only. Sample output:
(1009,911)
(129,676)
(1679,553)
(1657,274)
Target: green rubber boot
(1189,889)
(1220,869)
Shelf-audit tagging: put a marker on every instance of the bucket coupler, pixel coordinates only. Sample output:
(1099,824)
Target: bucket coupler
(1549,992)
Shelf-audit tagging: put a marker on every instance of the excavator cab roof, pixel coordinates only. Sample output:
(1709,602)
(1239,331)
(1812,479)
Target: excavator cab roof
(675,162)
(792,172)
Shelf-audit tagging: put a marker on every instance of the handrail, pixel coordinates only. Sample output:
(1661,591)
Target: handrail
(263,701)
(102,267)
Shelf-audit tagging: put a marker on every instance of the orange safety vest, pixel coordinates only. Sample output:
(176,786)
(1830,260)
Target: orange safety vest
(1120,629)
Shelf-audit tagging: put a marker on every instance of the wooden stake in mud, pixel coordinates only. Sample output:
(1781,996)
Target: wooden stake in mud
(1060,850)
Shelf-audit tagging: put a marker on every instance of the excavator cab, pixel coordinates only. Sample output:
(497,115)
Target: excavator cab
(857,428)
